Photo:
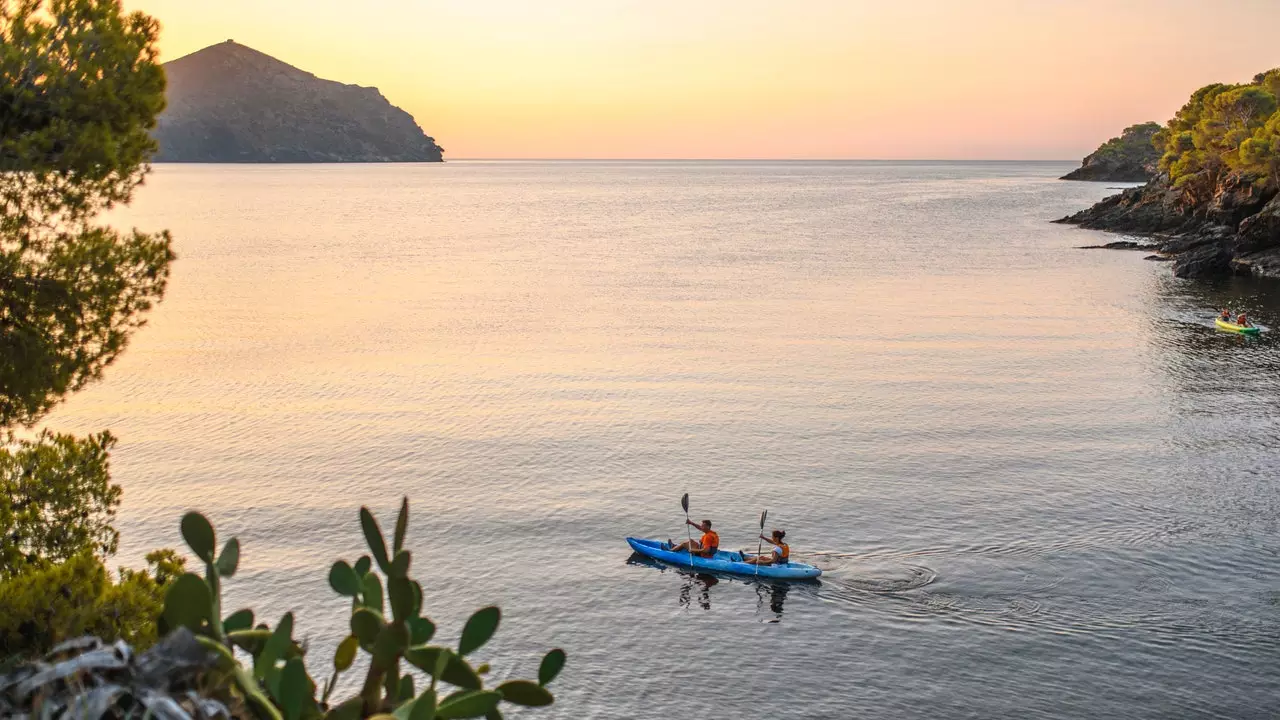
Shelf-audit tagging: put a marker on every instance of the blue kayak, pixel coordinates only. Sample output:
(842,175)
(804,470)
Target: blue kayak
(726,562)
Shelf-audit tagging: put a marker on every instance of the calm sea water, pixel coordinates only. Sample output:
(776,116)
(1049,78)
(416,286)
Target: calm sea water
(1040,482)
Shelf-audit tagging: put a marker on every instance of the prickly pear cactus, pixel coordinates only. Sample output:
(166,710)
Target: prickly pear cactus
(387,625)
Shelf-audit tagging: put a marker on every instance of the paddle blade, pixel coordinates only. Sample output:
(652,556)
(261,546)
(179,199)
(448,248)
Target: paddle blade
(763,515)
(684,502)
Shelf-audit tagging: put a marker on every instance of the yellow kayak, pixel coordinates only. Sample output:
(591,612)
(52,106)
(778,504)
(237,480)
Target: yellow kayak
(1232,327)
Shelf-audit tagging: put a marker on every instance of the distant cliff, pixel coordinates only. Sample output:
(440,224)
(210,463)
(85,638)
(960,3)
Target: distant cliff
(230,103)
(1128,158)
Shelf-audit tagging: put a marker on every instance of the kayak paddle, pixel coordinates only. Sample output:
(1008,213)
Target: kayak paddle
(684,503)
(760,542)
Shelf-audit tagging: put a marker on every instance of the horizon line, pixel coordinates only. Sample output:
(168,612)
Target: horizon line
(754,159)
(626,160)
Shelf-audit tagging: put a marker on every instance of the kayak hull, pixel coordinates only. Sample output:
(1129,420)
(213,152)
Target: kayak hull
(1232,327)
(724,562)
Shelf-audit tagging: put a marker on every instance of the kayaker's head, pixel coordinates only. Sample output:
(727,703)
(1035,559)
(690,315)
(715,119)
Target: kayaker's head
(706,526)
(778,535)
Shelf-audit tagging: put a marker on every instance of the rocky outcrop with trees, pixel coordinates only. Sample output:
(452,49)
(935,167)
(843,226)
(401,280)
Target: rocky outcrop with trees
(1128,158)
(229,103)
(1214,208)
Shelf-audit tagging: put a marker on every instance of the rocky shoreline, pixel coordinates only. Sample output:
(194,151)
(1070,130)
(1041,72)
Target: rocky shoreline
(1237,230)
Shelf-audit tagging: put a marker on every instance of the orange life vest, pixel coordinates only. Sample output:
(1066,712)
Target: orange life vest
(710,540)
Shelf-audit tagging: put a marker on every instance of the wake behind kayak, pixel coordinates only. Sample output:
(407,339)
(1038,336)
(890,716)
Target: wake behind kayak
(725,562)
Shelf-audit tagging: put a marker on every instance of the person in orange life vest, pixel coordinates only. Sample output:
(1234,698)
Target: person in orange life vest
(1242,321)
(1225,316)
(781,554)
(705,546)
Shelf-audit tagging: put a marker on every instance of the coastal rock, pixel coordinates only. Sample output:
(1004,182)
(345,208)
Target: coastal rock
(1235,229)
(1235,199)
(230,103)
(87,678)
(1263,264)
(1128,158)
(1260,230)
(1147,210)
(1205,261)
(1119,245)
(1257,245)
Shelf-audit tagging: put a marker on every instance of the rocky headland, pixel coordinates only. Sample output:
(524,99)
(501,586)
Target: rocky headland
(1128,158)
(229,103)
(1214,207)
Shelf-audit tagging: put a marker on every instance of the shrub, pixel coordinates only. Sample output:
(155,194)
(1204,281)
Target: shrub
(56,500)
(47,604)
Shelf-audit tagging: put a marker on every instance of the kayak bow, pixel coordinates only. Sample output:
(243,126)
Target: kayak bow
(726,562)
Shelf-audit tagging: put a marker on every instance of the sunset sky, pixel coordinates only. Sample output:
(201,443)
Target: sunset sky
(999,79)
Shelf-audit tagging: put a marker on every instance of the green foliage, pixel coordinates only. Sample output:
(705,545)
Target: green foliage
(43,606)
(344,580)
(57,503)
(238,620)
(362,565)
(81,86)
(469,704)
(1269,81)
(229,560)
(187,603)
(56,500)
(551,666)
(523,692)
(1260,153)
(373,536)
(1224,129)
(198,534)
(479,628)
(278,686)
(1133,146)
(402,525)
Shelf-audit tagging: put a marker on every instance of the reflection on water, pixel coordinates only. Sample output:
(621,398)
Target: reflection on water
(1039,482)
(695,588)
(702,596)
(775,594)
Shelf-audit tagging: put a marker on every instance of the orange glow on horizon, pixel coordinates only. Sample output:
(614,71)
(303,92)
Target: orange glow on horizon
(997,79)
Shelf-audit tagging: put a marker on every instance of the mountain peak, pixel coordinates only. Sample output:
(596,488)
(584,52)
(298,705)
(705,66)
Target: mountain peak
(231,103)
